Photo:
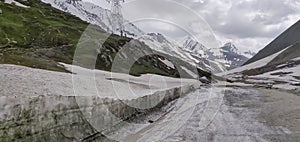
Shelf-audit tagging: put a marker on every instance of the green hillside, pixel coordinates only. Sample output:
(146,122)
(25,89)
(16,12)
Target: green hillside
(39,36)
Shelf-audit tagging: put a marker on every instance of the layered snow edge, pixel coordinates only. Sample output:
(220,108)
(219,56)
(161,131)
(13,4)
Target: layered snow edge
(48,110)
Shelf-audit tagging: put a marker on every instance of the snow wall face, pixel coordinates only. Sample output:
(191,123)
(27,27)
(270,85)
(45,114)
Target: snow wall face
(53,118)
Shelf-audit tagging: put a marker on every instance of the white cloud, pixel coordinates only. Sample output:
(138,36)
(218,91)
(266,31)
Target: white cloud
(250,24)
(165,12)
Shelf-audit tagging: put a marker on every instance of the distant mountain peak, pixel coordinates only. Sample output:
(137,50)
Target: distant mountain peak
(230,47)
(228,54)
(249,54)
(72,1)
(159,37)
(191,44)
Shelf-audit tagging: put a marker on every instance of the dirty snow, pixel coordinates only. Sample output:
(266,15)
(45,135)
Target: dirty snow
(17,3)
(168,63)
(289,79)
(24,81)
(296,59)
(285,78)
(189,72)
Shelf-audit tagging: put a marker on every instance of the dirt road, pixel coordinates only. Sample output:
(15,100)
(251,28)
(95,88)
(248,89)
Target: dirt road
(281,108)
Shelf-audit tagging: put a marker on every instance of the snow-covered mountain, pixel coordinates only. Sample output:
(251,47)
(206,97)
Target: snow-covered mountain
(230,47)
(229,55)
(164,45)
(195,47)
(97,15)
(93,14)
(249,54)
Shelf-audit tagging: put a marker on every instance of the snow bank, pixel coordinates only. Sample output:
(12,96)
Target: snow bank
(41,114)
(296,59)
(45,104)
(23,81)
(189,72)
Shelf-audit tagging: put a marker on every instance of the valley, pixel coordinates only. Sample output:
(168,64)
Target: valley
(216,112)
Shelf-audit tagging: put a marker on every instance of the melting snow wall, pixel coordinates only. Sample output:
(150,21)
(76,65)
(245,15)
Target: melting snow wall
(63,118)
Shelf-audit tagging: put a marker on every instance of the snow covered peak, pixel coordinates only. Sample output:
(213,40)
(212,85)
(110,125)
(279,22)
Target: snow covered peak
(159,37)
(190,44)
(72,1)
(229,55)
(249,54)
(88,11)
(230,47)
(101,3)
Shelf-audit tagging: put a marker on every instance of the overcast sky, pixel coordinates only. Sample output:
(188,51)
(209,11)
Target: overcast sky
(249,24)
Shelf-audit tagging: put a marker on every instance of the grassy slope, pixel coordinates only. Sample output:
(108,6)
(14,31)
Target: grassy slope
(38,36)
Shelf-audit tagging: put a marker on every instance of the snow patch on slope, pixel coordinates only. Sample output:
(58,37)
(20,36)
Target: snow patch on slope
(168,63)
(16,3)
(257,64)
